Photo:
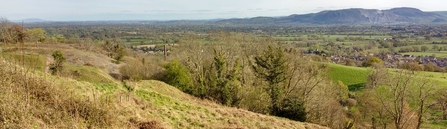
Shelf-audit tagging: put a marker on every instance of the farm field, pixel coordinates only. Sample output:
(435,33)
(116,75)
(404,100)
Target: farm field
(442,54)
(356,77)
(353,77)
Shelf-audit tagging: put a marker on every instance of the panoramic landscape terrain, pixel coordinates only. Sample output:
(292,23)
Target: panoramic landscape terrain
(342,68)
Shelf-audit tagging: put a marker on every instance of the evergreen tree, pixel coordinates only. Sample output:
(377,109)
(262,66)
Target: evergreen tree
(271,66)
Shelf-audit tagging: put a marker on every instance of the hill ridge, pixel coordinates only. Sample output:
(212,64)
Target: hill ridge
(349,16)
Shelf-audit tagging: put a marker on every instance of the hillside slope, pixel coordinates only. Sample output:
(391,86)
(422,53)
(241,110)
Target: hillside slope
(350,16)
(30,98)
(353,77)
(180,110)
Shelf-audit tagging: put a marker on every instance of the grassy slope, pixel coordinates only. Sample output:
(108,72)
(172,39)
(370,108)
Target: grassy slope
(180,110)
(353,77)
(93,99)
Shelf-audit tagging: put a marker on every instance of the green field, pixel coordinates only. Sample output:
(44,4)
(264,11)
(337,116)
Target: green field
(140,40)
(353,77)
(334,37)
(442,54)
(356,77)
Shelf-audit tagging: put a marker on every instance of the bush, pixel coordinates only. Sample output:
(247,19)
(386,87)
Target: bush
(115,50)
(430,67)
(413,66)
(372,60)
(136,70)
(57,66)
(177,75)
(292,109)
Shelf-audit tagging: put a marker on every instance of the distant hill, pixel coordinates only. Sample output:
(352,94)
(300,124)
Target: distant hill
(350,16)
(442,13)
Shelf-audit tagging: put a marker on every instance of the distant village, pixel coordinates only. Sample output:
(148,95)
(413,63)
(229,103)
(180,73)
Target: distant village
(392,60)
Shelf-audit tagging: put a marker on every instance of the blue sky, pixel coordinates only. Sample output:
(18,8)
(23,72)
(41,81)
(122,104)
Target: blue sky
(92,10)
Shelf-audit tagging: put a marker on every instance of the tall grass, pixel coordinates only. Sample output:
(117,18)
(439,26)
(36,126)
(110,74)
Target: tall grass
(30,98)
(27,101)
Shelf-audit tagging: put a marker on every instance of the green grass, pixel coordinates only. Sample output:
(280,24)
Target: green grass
(442,54)
(106,87)
(334,37)
(353,77)
(89,74)
(136,40)
(436,77)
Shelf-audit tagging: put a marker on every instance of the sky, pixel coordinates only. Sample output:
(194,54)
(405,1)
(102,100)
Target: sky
(98,10)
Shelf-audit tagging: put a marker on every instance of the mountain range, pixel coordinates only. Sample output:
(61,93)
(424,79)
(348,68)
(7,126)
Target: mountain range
(401,15)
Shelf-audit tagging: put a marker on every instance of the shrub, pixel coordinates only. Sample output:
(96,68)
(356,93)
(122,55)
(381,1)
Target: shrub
(178,76)
(57,66)
(115,50)
(430,67)
(372,60)
(413,66)
(292,109)
(136,70)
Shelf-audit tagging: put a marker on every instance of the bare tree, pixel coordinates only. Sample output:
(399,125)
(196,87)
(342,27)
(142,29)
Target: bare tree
(398,91)
(441,100)
(10,32)
(425,90)
(5,34)
(393,98)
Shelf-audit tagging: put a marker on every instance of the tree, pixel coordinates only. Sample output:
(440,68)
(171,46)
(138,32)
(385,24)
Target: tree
(115,50)
(424,91)
(59,60)
(424,48)
(372,60)
(441,100)
(36,34)
(370,104)
(416,49)
(225,80)
(177,75)
(11,33)
(271,66)
(428,37)
(393,98)
(430,67)
(404,96)
(435,47)
(413,66)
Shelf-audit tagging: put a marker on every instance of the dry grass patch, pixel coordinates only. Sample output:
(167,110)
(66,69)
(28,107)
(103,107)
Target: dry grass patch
(38,100)
(181,110)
